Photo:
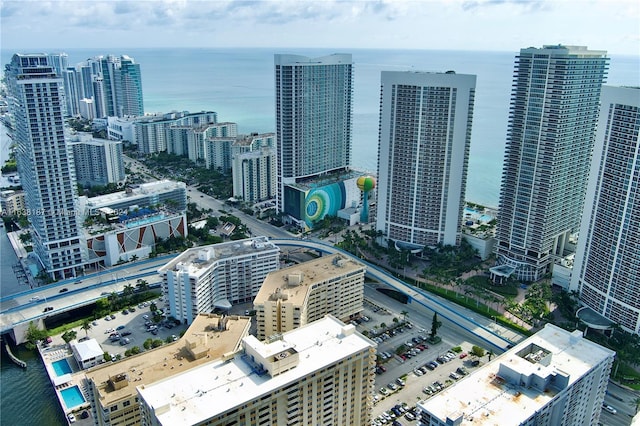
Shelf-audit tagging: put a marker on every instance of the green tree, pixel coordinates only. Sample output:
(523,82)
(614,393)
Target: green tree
(86,326)
(404,314)
(69,335)
(477,351)
(34,335)
(128,290)
(142,285)
(435,325)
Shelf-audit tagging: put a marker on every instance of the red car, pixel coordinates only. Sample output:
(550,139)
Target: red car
(463,354)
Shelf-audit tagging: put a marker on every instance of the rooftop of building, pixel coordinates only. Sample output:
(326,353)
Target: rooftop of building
(140,190)
(292,284)
(195,261)
(553,356)
(335,176)
(214,388)
(208,338)
(246,140)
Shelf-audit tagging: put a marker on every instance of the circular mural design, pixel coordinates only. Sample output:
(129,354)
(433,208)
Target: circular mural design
(317,203)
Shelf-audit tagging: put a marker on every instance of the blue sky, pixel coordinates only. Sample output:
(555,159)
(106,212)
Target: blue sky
(506,25)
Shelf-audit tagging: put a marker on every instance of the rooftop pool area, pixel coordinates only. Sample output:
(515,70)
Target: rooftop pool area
(471,214)
(145,221)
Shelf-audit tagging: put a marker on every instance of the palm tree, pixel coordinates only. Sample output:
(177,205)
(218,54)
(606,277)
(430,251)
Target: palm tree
(404,315)
(86,326)
(143,285)
(127,290)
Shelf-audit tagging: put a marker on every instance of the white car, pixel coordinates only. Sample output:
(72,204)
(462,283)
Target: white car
(609,408)
(71,417)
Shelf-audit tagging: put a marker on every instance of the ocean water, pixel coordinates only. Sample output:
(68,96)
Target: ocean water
(239,85)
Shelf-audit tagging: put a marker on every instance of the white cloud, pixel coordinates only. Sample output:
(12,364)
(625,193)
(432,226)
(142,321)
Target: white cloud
(429,24)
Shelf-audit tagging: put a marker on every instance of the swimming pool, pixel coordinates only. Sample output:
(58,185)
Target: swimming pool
(61,367)
(476,215)
(145,221)
(72,397)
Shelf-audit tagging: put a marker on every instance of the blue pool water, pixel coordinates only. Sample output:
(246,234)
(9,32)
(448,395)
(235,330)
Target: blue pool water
(61,367)
(476,215)
(72,397)
(145,221)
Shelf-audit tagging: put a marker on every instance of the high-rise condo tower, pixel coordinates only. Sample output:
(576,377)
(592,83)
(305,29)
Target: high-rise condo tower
(425,133)
(45,163)
(313,123)
(552,122)
(606,271)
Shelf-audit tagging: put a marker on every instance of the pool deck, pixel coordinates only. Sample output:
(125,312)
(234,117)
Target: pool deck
(56,352)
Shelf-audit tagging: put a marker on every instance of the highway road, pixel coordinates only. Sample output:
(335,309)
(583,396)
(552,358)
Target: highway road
(30,305)
(497,337)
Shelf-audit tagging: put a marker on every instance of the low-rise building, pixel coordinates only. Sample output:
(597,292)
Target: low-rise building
(87,353)
(292,297)
(554,378)
(320,374)
(203,279)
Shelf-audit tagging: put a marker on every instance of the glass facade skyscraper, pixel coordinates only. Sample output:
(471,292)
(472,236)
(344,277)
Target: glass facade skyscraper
(313,118)
(425,135)
(552,122)
(606,271)
(45,163)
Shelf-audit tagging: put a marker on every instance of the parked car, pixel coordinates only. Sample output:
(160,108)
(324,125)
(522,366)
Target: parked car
(71,417)
(125,333)
(120,327)
(112,316)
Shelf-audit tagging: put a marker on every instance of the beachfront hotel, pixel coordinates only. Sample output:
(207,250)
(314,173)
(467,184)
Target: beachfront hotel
(202,279)
(425,134)
(319,374)
(45,164)
(113,388)
(292,297)
(552,122)
(554,378)
(606,269)
(314,110)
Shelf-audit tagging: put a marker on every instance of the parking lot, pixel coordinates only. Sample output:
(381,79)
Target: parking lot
(395,400)
(135,326)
